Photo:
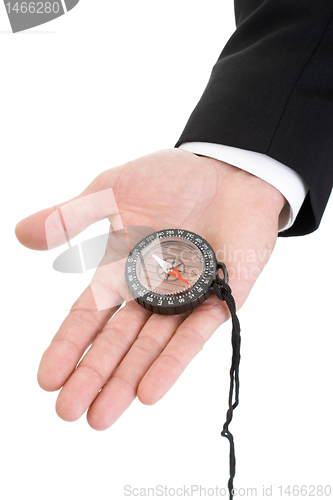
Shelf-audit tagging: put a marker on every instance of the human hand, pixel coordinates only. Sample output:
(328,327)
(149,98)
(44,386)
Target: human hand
(137,353)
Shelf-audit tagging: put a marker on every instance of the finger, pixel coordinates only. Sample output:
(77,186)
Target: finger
(117,395)
(68,345)
(106,292)
(107,351)
(187,342)
(56,225)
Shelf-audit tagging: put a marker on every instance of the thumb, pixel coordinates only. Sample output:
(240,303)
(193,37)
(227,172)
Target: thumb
(56,225)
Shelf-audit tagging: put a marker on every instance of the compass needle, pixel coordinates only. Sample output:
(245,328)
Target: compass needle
(164,265)
(174,272)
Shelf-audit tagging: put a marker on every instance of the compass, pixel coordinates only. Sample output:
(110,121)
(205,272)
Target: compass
(172,271)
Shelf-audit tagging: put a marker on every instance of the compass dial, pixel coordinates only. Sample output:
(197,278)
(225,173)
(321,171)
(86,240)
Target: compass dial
(171,271)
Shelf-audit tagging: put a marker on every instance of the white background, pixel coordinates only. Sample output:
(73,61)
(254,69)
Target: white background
(104,84)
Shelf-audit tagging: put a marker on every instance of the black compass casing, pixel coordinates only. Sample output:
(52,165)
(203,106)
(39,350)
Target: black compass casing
(160,293)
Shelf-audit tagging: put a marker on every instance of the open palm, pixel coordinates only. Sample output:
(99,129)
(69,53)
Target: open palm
(137,353)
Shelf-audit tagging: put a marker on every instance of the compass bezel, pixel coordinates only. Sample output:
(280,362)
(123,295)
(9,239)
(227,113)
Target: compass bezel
(177,303)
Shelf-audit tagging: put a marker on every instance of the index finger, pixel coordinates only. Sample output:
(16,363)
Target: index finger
(75,334)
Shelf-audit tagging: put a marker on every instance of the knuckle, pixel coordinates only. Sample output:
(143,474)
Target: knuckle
(83,316)
(66,342)
(91,371)
(172,361)
(192,336)
(216,309)
(147,344)
(114,338)
(124,382)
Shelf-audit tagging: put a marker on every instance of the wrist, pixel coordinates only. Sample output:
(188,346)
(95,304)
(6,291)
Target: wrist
(250,188)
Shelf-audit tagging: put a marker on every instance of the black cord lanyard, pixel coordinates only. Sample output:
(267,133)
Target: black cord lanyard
(223,292)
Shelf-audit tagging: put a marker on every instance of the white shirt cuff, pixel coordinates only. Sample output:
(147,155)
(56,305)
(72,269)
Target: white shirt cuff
(287,181)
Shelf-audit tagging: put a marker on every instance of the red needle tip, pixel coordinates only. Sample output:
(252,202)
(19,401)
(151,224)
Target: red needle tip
(174,272)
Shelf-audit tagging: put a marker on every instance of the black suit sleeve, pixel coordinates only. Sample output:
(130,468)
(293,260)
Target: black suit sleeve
(271,91)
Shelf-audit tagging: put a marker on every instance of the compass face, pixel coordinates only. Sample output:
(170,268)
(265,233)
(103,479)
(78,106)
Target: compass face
(171,271)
